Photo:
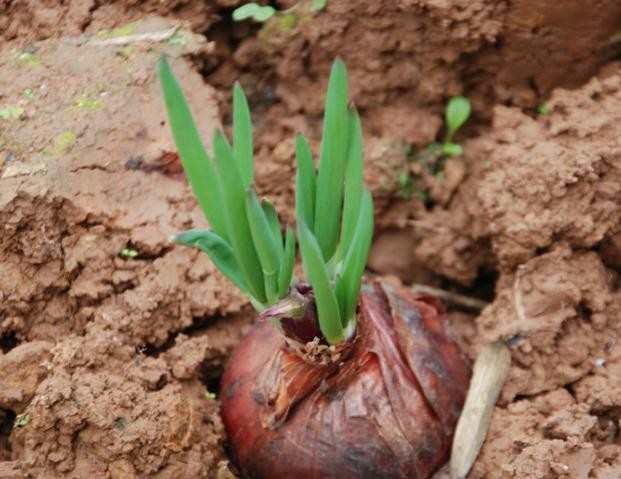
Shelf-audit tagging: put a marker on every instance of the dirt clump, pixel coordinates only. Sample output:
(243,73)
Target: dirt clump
(86,208)
(407,56)
(576,199)
(107,349)
(557,412)
(30,20)
(105,411)
(21,370)
(559,310)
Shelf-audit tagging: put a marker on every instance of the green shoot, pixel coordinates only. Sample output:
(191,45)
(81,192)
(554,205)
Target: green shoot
(128,253)
(196,162)
(334,210)
(334,213)
(305,183)
(245,241)
(434,156)
(218,250)
(315,268)
(333,160)
(254,11)
(456,114)
(543,109)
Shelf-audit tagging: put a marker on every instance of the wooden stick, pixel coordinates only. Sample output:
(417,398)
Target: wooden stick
(490,371)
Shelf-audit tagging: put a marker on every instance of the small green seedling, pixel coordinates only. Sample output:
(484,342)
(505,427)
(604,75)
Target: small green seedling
(28,59)
(334,210)
(456,114)
(128,253)
(434,156)
(11,112)
(254,11)
(262,13)
(22,420)
(543,109)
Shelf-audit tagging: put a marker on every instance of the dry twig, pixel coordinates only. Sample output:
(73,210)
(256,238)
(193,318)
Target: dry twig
(489,374)
(454,298)
(152,37)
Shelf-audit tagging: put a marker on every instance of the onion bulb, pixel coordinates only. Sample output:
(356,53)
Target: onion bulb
(384,405)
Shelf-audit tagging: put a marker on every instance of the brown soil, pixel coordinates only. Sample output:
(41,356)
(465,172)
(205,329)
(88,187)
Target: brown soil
(112,339)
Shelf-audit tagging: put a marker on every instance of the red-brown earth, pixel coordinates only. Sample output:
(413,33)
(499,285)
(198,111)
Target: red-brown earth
(113,339)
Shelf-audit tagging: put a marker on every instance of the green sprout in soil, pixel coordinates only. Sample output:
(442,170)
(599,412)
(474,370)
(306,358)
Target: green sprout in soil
(254,11)
(543,109)
(334,211)
(28,59)
(22,420)
(11,112)
(456,114)
(128,253)
(288,19)
(434,156)
(64,142)
(85,102)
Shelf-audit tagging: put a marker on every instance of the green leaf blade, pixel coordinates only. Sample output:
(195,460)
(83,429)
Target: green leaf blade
(305,183)
(348,284)
(218,250)
(353,185)
(329,195)
(317,274)
(234,203)
(242,135)
(286,266)
(457,112)
(272,219)
(196,162)
(265,245)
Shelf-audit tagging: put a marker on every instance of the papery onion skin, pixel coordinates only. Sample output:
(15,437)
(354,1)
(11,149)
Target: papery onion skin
(387,411)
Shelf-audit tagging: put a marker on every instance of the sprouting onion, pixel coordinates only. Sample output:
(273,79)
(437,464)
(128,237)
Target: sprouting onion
(354,381)
(334,211)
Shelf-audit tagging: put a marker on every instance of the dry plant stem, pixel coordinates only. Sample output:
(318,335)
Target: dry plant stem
(489,374)
(518,298)
(152,37)
(454,298)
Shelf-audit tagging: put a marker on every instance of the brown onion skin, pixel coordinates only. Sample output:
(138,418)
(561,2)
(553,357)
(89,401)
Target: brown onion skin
(387,411)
